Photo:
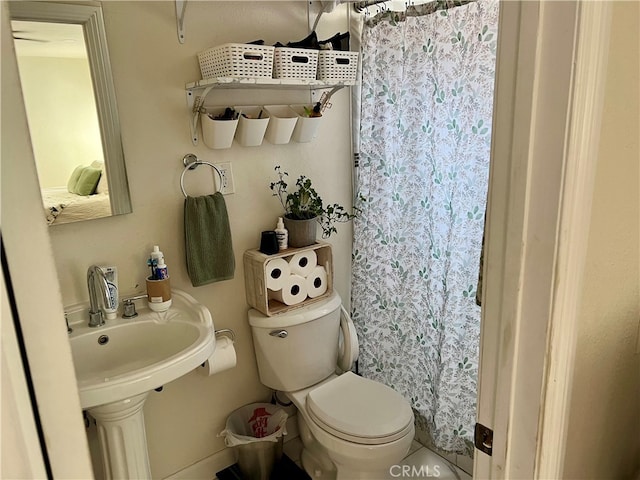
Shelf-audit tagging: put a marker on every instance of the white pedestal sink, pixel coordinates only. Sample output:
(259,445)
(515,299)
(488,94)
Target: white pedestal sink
(117,365)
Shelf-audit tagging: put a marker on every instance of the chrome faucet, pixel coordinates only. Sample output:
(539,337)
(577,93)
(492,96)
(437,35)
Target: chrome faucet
(95,274)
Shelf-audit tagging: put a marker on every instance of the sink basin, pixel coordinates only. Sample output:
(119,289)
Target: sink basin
(128,357)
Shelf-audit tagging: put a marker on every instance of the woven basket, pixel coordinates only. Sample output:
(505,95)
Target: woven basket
(295,63)
(335,65)
(237,60)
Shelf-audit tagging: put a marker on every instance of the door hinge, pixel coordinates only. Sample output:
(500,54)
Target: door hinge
(483,439)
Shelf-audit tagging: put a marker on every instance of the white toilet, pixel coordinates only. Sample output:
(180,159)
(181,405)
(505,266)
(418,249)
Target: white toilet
(351,427)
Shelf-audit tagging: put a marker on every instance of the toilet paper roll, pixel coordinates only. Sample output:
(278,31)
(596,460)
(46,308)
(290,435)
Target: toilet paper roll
(223,357)
(303,263)
(277,271)
(316,282)
(293,291)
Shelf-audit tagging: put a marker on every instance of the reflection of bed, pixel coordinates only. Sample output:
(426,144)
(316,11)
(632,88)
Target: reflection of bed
(60,206)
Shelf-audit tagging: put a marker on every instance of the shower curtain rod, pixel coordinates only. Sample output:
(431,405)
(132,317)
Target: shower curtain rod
(359,6)
(362,5)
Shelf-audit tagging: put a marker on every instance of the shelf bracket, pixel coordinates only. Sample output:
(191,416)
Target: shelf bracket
(325,99)
(181,7)
(195,104)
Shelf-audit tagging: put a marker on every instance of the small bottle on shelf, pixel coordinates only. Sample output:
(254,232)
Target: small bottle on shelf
(282,235)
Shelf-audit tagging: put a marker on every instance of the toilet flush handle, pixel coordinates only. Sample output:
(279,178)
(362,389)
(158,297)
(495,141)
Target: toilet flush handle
(279,333)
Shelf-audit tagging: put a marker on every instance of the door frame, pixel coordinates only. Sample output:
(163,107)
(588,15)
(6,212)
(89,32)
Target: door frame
(550,76)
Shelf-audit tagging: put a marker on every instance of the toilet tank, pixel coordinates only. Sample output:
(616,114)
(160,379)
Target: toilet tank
(299,348)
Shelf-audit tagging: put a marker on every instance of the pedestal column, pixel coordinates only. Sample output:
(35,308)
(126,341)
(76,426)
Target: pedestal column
(123,441)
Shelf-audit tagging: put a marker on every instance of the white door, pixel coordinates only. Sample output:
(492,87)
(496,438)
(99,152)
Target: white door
(29,260)
(21,455)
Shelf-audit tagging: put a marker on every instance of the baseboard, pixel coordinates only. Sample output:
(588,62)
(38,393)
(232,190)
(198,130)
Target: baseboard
(207,468)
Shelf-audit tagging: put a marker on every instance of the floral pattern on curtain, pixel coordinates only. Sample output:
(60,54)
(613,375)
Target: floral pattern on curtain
(426,108)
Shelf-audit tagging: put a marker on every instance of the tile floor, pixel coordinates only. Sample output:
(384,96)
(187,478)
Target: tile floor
(419,463)
(428,463)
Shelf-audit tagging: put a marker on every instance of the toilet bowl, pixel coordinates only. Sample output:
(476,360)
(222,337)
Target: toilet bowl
(351,427)
(362,426)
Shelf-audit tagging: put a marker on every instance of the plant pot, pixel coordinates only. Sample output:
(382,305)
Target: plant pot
(302,233)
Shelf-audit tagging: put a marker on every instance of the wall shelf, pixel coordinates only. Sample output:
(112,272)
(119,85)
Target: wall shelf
(229,82)
(197,91)
(256,277)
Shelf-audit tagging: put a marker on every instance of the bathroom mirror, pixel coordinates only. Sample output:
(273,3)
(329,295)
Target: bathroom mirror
(71,109)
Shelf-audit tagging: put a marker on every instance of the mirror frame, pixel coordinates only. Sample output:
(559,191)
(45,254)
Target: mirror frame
(92,21)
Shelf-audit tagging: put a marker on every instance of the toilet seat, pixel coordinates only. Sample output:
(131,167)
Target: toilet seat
(360,410)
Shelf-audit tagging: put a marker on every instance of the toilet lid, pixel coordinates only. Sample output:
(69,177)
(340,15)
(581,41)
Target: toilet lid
(360,410)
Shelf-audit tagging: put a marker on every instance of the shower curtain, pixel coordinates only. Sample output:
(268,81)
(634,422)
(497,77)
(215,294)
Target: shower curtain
(425,129)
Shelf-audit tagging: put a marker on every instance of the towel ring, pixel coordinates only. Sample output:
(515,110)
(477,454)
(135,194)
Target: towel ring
(191,162)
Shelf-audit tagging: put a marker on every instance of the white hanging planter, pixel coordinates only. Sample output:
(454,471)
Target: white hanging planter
(281,124)
(306,127)
(251,129)
(217,133)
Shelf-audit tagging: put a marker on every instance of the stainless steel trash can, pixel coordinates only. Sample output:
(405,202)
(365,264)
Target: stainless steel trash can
(256,432)
(256,460)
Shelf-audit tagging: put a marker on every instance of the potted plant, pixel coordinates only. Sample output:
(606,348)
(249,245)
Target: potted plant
(304,209)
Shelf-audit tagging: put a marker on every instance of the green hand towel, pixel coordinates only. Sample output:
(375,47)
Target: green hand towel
(208,240)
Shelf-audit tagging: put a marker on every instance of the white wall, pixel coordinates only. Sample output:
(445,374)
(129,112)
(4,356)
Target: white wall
(603,438)
(62,115)
(150,70)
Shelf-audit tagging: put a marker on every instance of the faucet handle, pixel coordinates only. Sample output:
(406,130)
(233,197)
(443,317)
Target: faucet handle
(96,319)
(129,307)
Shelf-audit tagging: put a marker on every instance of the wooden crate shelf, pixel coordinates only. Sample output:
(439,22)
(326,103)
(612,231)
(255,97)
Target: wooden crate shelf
(255,277)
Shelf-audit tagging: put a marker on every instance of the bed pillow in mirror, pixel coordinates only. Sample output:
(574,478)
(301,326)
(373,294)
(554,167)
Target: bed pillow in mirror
(73,179)
(88,181)
(103,185)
